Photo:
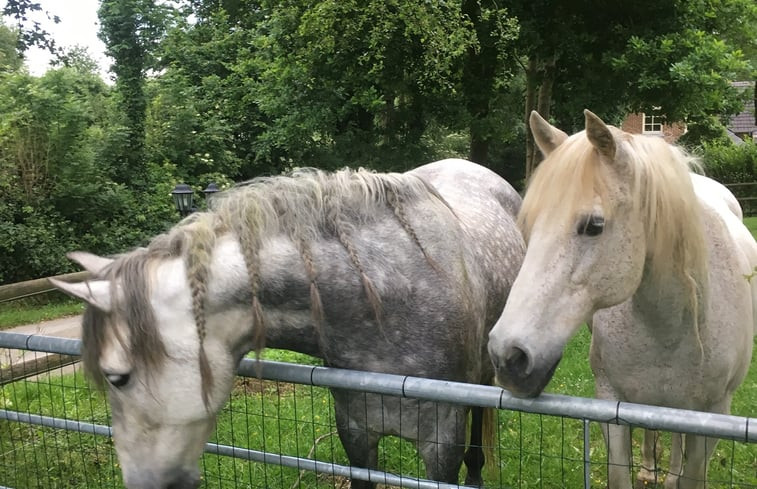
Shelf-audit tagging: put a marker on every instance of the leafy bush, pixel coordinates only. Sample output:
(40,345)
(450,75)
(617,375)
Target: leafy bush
(730,163)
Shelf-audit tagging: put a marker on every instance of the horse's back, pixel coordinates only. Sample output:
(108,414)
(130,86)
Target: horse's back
(715,193)
(723,204)
(456,178)
(486,206)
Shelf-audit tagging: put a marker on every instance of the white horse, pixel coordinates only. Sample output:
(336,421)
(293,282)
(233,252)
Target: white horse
(621,234)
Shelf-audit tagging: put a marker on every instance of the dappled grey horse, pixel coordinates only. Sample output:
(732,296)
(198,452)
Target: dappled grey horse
(398,273)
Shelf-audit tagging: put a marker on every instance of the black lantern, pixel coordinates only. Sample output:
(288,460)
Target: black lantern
(210,190)
(182,198)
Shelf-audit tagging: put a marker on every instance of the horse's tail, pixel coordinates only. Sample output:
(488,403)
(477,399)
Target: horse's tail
(489,438)
(481,454)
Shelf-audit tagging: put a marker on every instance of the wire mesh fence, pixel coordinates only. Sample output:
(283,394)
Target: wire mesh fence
(279,431)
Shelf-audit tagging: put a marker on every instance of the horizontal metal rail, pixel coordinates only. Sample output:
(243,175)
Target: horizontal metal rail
(724,426)
(289,461)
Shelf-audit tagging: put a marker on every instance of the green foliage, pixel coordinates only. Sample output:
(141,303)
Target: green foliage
(57,196)
(10,60)
(730,163)
(225,91)
(686,74)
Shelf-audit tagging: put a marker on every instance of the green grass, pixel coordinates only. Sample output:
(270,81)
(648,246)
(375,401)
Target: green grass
(751,224)
(29,311)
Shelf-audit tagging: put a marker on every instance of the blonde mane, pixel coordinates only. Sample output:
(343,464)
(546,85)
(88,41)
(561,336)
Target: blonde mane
(573,176)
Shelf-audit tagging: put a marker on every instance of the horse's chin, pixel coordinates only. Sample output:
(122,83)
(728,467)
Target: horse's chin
(176,479)
(529,386)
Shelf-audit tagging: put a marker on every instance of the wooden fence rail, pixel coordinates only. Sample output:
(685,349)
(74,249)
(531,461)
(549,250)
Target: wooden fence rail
(15,366)
(746,194)
(19,290)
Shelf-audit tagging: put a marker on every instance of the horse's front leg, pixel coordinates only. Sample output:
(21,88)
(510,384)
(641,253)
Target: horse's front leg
(441,441)
(650,455)
(474,456)
(359,442)
(676,460)
(618,440)
(698,452)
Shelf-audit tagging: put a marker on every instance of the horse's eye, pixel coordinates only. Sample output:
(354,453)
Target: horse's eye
(117,380)
(591,225)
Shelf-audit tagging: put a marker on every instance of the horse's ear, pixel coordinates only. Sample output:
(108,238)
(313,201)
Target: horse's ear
(599,135)
(91,263)
(94,292)
(547,136)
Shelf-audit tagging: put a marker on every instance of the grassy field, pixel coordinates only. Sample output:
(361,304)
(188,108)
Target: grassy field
(533,451)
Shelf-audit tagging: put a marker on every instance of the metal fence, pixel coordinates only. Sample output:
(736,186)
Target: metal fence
(279,431)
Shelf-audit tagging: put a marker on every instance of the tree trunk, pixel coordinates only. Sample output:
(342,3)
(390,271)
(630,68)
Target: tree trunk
(479,74)
(545,90)
(540,78)
(479,149)
(531,98)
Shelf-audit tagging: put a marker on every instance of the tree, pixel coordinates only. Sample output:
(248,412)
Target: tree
(131,31)
(30,33)
(365,82)
(10,58)
(78,58)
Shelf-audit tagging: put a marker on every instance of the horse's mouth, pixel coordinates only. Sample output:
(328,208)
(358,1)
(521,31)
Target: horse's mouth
(527,386)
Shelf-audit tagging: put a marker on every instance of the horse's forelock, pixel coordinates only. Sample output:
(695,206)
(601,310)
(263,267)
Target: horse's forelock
(131,307)
(568,181)
(563,185)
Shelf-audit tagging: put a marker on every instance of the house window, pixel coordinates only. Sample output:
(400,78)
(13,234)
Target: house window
(652,124)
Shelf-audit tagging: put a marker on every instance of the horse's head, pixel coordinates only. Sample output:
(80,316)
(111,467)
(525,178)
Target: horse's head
(141,339)
(594,215)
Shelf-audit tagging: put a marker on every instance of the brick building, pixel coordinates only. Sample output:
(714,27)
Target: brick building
(743,126)
(653,125)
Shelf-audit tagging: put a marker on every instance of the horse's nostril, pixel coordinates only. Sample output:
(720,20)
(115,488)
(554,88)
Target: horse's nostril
(517,361)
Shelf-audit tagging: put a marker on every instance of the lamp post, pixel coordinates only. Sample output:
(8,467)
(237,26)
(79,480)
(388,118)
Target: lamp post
(183,197)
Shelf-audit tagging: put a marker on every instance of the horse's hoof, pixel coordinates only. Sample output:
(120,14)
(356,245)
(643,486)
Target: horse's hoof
(647,483)
(474,481)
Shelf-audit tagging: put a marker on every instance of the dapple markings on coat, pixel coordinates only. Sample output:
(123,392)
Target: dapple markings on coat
(621,234)
(397,273)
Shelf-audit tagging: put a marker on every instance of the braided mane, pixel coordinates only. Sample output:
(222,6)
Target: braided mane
(305,206)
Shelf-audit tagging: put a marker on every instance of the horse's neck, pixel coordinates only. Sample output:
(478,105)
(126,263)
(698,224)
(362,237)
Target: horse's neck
(283,293)
(664,305)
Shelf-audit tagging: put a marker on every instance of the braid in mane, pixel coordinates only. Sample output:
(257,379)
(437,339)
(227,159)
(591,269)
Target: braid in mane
(394,201)
(316,305)
(370,291)
(335,216)
(198,265)
(249,245)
